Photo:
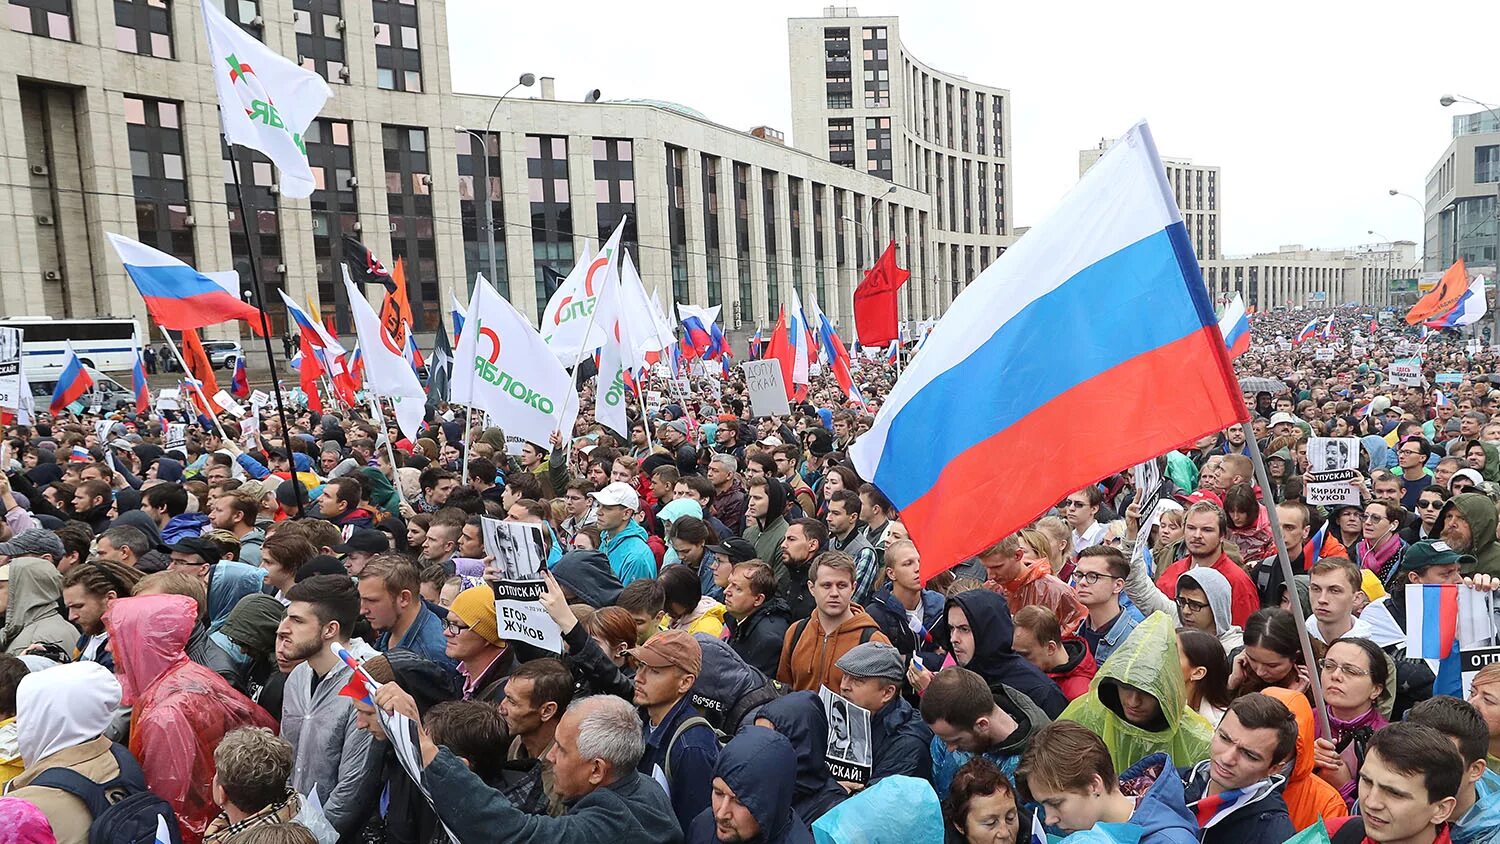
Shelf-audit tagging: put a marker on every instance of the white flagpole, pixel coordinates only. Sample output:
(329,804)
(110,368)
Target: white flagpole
(390,450)
(469,408)
(207,402)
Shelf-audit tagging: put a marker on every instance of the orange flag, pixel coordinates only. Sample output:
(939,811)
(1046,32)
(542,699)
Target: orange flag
(1453,285)
(395,310)
(200,368)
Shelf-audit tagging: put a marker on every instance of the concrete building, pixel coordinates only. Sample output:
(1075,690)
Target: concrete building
(1460,199)
(860,99)
(110,125)
(1295,276)
(1196,187)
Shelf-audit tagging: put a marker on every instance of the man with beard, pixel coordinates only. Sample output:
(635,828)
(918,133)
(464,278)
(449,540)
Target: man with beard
(329,751)
(1467,524)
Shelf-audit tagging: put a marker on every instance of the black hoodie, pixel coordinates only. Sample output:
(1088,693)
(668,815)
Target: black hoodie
(588,576)
(754,766)
(799,716)
(989,620)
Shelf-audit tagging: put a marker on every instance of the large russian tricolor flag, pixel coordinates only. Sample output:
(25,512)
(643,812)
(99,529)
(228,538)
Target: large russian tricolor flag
(1235,326)
(1308,332)
(71,384)
(1056,356)
(179,297)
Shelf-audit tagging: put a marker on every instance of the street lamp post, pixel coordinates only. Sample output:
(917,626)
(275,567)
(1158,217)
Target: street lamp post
(526,80)
(1448,100)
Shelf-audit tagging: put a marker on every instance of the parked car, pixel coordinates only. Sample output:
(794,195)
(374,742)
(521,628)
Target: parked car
(115,396)
(222,353)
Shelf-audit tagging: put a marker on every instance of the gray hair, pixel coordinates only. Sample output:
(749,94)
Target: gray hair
(609,729)
(125,536)
(726,461)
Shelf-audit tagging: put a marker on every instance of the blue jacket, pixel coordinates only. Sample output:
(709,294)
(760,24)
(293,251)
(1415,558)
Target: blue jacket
(1481,824)
(182,526)
(799,716)
(228,582)
(692,762)
(424,638)
(629,555)
(1161,812)
(899,739)
(754,766)
(888,612)
(1125,622)
(632,808)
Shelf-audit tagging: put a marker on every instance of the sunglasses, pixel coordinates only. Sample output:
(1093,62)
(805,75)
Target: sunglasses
(1430,505)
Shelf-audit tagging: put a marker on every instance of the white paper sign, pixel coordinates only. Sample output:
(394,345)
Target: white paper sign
(168,399)
(1324,354)
(1406,372)
(1332,465)
(767,388)
(1147,478)
(10,368)
(519,554)
(223,399)
(259,399)
(1284,345)
(1472,660)
(848,753)
(175,437)
(101,430)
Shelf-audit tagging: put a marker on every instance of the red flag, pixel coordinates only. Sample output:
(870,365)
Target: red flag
(200,369)
(875,319)
(782,351)
(308,372)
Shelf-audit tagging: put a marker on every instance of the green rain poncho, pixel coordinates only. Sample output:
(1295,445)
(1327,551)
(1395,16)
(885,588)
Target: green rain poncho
(382,494)
(1148,660)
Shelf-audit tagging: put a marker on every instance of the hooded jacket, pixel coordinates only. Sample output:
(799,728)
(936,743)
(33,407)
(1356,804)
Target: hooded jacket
(1307,797)
(630,556)
(1479,511)
(1036,586)
(587,574)
(1260,820)
(228,582)
(1073,677)
(990,623)
(1216,588)
(1244,598)
(182,526)
(808,653)
(682,757)
(632,808)
(890,614)
(754,766)
(1481,824)
(329,750)
(1148,660)
(154,560)
(61,713)
(800,717)
(899,739)
(766,534)
(1160,812)
(31,616)
(1006,755)
(181,709)
(759,636)
(382,493)
(706,617)
(728,691)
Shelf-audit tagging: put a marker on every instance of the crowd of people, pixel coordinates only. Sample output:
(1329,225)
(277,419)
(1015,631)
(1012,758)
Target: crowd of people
(1126,668)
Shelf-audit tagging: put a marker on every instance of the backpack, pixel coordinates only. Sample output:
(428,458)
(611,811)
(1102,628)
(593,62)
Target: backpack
(124,811)
(682,726)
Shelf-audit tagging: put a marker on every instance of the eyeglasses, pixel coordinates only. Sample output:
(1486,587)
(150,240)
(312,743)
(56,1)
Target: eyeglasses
(1075,504)
(1430,504)
(1345,669)
(1374,517)
(1093,577)
(451,626)
(1410,452)
(1189,604)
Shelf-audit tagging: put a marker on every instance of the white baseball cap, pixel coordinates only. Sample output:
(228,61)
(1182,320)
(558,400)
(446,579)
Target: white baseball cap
(1283,416)
(618,494)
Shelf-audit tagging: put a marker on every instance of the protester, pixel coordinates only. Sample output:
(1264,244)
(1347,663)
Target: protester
(630,556)
(251,770)
(1066,659)
(899,738)
(978,632)
(752,796)
(755,616)
(981,806)
(1307,797)
(969,718)
(1099,583)
(810,652)
(388,600)
(1408,787)
(800,717)
(680,746)
(1476,815)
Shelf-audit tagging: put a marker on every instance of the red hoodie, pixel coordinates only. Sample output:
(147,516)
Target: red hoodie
(1075,674)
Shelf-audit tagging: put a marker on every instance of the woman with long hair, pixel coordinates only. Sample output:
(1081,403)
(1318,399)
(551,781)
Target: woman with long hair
(1205,673)
(1272,655)
(1249,527)
(1380,546)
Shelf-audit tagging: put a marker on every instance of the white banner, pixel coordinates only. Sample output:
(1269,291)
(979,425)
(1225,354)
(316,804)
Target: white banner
(1332,466)
(1406,373)
(577,318)
(387,374)
(224,400)
(10,368)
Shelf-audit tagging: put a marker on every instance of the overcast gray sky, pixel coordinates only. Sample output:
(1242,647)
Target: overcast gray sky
(1312,109)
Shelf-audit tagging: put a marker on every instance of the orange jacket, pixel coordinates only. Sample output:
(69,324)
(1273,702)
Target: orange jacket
(807,659)
(1308,798)
(1037,587)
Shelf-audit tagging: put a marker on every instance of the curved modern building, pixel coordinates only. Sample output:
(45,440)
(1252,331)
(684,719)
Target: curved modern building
(860,99)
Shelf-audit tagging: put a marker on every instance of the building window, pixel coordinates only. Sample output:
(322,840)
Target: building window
(320,38)
(836,67)
(144,27)
(968,201)
(711,229)
(614,189)
(255,176)
(821,283)
(479,174)
(841,141)
(997,107)
(677,222)
(1487,164)
(398,51)
(47,18)
(877,67)
(963,119)
(159,170)
(794,215)
(878,146)
(860,232)
(979,119)
(838,226)
(999,199)
(241,13)
(983,195)
(335,206)
(551,208)
(408,196)
(768,213)
(953,191)
(742,238)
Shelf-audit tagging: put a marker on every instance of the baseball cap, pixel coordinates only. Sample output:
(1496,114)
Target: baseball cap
(1204,495)
(33,543)
(287,493)
(772,441)
(1432,552)
(202,546)
(873,659)
(736,549)
(675,648)
(365,540)
(618,494)
(1281,416)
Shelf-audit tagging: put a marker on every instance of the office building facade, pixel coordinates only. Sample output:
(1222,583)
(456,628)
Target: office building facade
(1460,198)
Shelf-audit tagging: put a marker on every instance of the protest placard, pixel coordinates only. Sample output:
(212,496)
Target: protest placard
(224,400)
(518,555)
(1148,490)
(1449,378)
(1472,660)
(1332,467)
(168,399)
(1284,345)
(259,399)
(101,430)
(767,388)
(10,368)
(848,753)
(1407,373)
(1324,354)
(175,436)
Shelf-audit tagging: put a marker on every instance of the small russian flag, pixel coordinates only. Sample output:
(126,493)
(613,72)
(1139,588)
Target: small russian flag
(360,684)
(138,383)
(892,352)
(71,384)
(1440,615)
(239,386)
(1307,333)
(79,454)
